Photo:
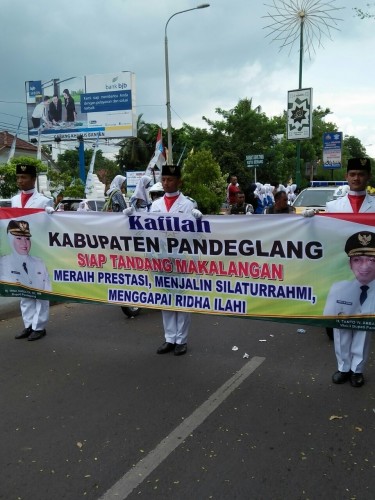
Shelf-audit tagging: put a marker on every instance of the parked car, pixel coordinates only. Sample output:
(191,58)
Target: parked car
(72,204)
(317,195)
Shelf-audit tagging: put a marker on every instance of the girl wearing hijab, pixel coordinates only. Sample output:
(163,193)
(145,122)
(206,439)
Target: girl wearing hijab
(117,201)
(140,199)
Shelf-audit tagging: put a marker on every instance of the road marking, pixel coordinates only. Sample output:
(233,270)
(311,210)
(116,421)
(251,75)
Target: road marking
(134,477)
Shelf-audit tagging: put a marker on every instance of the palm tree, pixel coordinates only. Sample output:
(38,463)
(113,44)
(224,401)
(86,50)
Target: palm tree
(134,153)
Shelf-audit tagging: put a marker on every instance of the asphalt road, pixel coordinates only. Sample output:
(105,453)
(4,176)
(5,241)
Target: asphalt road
(92,412)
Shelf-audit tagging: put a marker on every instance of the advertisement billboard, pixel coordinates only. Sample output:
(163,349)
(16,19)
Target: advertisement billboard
(85,106)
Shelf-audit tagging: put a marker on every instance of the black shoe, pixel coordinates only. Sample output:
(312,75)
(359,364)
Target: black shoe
(340,377)
(357,379)
(25,333)
(37,334)
(166,347)
(180,349)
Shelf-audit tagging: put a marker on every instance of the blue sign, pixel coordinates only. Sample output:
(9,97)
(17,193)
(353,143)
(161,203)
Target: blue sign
(254,160)
(332,147)
(35,88)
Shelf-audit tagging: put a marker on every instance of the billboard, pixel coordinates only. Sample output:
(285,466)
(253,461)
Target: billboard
(82,106)
(300,109)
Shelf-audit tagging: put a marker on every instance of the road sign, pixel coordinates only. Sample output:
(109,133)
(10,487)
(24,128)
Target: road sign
(254,161)
(332,146)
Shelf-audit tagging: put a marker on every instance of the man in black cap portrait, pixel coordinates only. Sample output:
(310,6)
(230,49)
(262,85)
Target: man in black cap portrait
(29,197)
(176,323)
(21,267)
(357,200)
(349,298)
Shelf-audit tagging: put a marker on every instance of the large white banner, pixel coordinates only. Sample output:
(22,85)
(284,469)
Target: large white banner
(275,267)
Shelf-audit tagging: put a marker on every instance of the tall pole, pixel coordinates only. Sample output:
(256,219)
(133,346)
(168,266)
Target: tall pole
(298,152)
(81,155)
(168,95)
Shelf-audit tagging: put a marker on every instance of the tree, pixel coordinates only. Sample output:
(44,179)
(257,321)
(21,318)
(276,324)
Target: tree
(204,182)
(353,148)
(188,139)
(136,152)
(66,179)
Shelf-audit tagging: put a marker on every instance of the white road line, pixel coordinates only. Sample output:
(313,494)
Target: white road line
(144,467)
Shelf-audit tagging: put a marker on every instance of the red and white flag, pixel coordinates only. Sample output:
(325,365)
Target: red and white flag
(158,160)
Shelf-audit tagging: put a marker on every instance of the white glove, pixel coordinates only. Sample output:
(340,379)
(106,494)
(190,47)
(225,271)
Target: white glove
(197,214)
(49,210)
(308,212)
(129,211)
(249,213)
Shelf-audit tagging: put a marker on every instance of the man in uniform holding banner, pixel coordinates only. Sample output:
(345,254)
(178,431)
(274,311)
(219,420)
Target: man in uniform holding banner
(176,323)
(352,346)
(34,312)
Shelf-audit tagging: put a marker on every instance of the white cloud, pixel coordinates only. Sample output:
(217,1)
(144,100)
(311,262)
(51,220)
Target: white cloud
(217,56)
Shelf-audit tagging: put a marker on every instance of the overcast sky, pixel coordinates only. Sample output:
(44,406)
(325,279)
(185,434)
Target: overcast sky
(217,56)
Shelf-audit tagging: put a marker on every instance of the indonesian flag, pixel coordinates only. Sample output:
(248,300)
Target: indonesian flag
(158,160)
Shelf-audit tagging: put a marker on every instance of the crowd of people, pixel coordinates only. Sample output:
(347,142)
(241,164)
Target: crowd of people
(259,198)
(348,298)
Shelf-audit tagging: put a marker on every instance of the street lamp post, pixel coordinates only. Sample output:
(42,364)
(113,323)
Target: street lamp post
(169,120)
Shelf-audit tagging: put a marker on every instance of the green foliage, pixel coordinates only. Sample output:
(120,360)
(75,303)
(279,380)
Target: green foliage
(245,130)
(64,179)
(136,152)
(241,131)
(353,148)
(204,182)
(63,182)
(8,185)
(76,189)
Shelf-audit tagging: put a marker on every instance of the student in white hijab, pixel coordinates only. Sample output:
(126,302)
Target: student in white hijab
(140,199)
(118,203)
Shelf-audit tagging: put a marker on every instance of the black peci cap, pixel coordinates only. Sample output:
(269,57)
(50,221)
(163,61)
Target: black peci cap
(23,168)
(359,164)
(173,170)
(362,243)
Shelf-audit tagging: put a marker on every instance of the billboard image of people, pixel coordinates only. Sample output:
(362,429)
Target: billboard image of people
(101,104)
